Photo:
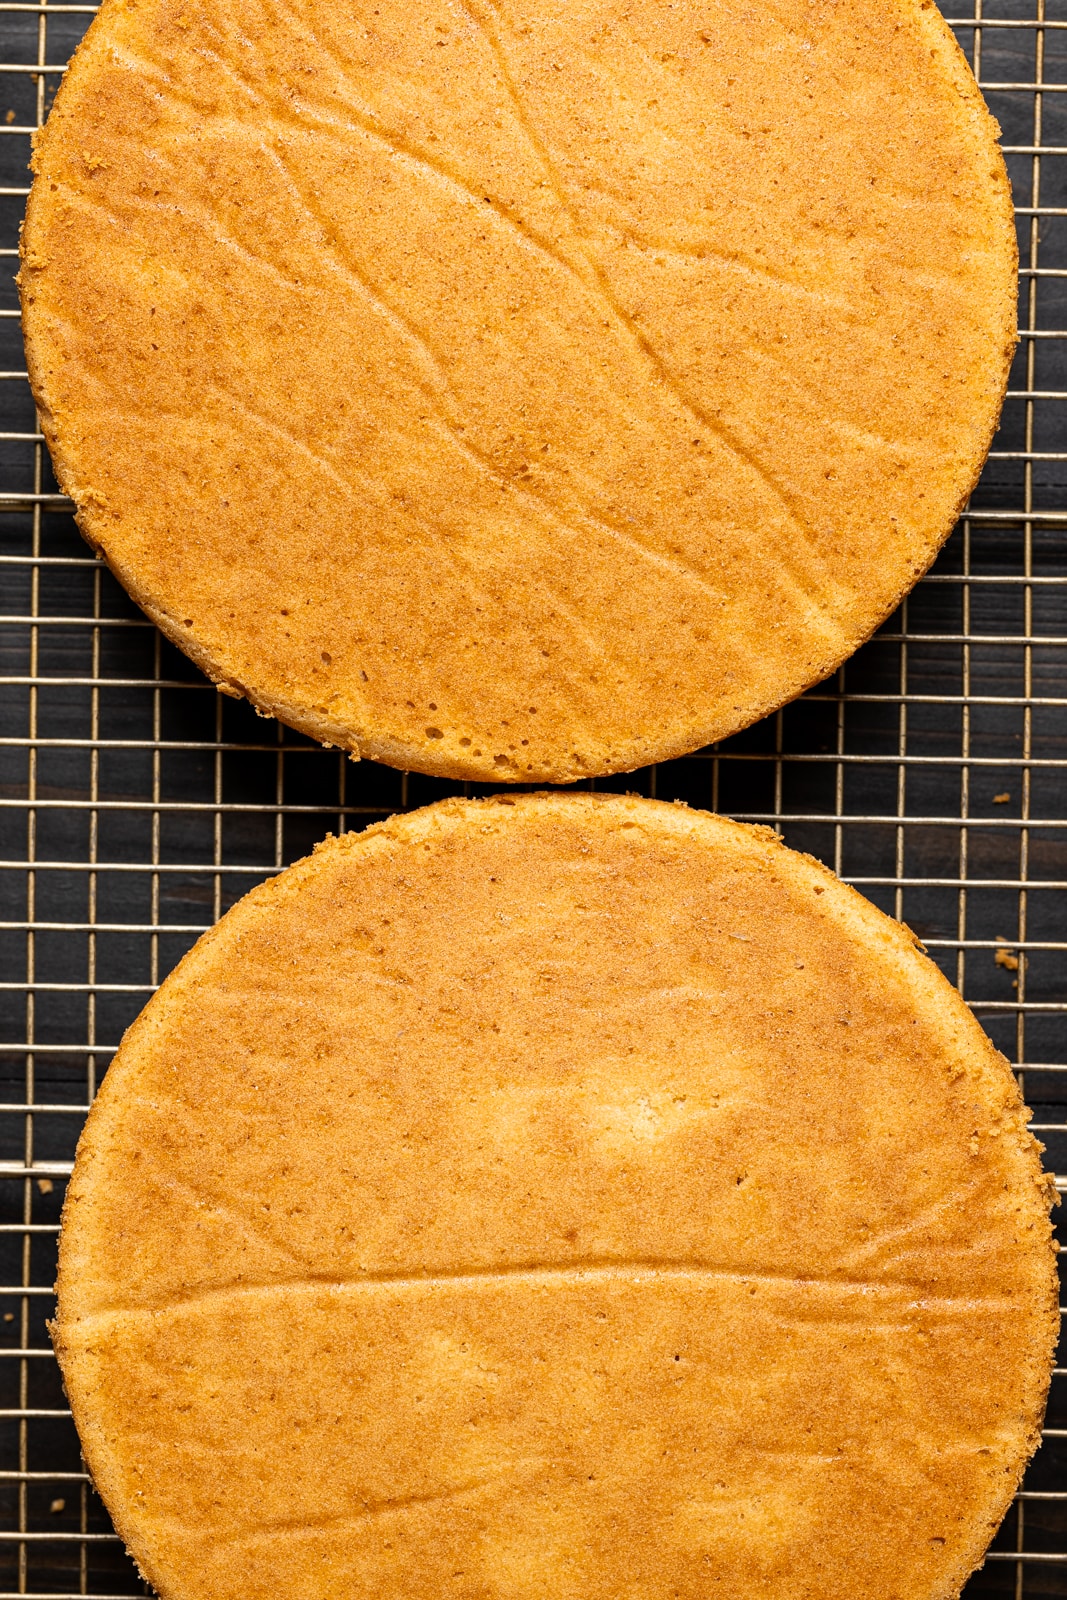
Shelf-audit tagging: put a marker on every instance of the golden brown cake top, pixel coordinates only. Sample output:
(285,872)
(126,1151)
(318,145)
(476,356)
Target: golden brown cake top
(567,1196)
(519,391)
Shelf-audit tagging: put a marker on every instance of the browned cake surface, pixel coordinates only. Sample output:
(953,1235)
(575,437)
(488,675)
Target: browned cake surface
(579,1198)
(512,389)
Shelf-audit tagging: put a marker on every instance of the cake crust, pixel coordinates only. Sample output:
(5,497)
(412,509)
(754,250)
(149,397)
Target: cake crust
(564,1195)
(516,392)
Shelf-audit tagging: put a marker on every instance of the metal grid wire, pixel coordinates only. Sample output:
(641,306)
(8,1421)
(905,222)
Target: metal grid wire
(136,804)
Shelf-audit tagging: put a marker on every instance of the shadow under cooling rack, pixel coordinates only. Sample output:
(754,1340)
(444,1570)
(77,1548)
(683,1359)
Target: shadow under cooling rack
(136,804)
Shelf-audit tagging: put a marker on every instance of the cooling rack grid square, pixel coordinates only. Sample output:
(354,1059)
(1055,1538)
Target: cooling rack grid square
(136,804)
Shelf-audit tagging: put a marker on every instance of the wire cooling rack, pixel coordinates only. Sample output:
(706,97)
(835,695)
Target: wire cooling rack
(136,804)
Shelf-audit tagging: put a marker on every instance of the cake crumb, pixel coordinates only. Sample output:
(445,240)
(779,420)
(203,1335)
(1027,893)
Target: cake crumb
(45,1185)
(1004,957)
(1001,799)
(58,1505)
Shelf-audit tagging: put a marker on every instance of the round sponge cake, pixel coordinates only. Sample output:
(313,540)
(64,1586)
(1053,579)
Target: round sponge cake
(518,391)
(576,1197)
